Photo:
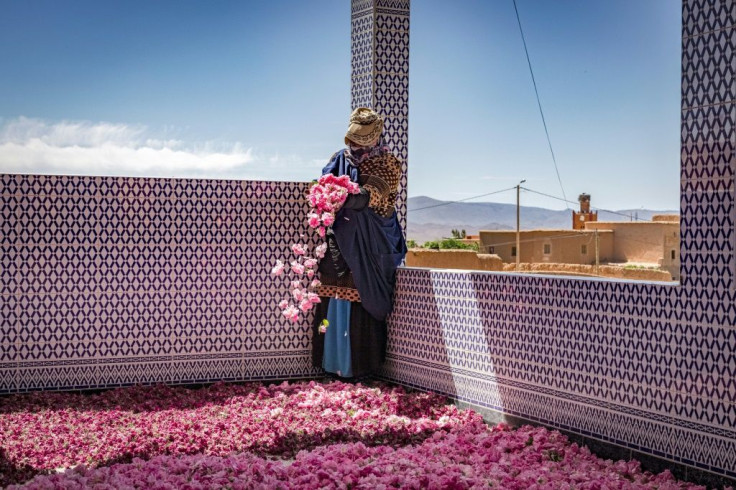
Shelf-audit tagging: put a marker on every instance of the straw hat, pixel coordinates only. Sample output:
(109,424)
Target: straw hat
(365,127)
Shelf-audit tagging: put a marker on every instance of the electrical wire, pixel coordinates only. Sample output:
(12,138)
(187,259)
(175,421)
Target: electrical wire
(539,103)
(593,207)
(447,203)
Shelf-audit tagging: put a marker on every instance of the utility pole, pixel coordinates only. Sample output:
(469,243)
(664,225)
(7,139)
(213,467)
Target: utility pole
(518,220)
(597,256)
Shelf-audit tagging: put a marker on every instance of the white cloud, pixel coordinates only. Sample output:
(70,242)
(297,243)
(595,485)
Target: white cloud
(87,148)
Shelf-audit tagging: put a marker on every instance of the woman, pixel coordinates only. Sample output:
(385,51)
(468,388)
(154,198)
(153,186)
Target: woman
(365,246)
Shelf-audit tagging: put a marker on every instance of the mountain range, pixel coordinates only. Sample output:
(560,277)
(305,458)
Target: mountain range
(432,219)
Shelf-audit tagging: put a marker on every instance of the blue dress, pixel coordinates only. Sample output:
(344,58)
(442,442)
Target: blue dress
(337,357)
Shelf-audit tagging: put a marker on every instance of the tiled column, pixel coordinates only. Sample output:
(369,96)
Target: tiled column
(380,73)
(708,192)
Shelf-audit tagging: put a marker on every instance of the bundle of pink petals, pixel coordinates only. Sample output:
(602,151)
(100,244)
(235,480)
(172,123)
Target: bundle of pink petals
(326,197)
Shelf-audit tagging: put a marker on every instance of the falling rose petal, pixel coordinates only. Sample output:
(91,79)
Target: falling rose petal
(305,305)
(278,269)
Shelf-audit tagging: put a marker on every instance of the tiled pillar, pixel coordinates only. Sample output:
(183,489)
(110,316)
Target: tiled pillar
(380,73)
(708,192)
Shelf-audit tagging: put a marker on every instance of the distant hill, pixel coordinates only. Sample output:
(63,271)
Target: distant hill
(431,219)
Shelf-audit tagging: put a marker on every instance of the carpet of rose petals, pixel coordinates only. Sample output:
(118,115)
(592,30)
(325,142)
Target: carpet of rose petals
(346,436)
(44,431)
(469,456)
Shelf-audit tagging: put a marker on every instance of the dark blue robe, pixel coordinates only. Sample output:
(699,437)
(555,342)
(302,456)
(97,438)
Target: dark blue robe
(372,246)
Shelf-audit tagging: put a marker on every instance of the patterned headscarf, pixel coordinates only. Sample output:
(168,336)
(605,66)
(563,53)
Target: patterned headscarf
(359,154)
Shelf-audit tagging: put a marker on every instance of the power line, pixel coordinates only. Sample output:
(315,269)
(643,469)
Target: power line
(447,203)
(596,208)
(539,103)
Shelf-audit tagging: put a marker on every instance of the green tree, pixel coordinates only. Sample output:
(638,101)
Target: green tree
(451,244)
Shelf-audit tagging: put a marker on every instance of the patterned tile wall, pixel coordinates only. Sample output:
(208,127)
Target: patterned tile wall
(380,73)
(645,366)
(107,281)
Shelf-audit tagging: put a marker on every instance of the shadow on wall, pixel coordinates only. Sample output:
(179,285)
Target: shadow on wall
(468,335)
(416,340)
(444,340)
(517,347)
(453,259)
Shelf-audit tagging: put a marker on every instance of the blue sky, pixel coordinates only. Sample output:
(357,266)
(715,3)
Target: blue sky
(260,90)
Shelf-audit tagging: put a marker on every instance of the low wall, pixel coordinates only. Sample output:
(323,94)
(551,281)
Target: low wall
(453,259)
(470,260)
(109,281)
(614,272)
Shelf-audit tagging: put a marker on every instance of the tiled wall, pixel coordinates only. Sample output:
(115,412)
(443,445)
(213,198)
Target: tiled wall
(644,366)
(107,281)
